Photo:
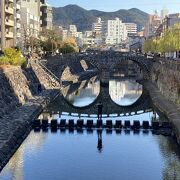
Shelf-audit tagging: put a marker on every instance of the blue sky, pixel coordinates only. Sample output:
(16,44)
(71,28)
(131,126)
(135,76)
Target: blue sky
(113,5)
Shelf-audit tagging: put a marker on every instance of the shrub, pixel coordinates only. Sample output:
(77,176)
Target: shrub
(12,57)
(4,60)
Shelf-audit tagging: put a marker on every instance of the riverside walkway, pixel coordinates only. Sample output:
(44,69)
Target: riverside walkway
(167,107)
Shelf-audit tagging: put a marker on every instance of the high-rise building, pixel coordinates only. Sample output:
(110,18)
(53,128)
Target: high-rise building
(152,25)
(7,23)
(46,16)
(30,13)
(131,29)
(114,31)
(97,27)
(17,30)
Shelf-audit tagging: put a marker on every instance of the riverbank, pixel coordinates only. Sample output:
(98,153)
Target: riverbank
(16,126)
(168,108)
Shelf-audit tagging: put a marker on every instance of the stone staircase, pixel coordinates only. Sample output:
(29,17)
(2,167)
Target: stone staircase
(45,76)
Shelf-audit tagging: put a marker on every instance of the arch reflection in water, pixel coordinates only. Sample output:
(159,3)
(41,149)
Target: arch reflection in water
(83,93)
(125,92)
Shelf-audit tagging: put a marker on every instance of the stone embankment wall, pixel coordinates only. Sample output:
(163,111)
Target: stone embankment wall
(20,105)
(14,90)
(19,86)
(166,75)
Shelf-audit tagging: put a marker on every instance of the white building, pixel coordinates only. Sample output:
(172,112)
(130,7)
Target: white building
(131,28)
(88,34)
(72,30)
(97,26)
(92,41)
(114,32)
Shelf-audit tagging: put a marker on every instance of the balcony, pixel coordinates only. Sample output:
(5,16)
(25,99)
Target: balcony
(9,22)
(18,35)
(18,25)
(18,6)
(18,16)
(9,35)
(9,10)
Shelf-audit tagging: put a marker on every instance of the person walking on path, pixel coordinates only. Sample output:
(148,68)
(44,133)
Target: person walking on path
(100,108)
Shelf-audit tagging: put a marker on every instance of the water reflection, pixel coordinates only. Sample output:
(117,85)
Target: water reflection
(99,145)
(82,94)
(128,156)
(126,92)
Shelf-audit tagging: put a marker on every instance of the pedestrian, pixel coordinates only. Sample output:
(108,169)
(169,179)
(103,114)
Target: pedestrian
(100,107)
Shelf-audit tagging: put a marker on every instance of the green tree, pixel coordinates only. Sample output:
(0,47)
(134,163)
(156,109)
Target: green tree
(51,41)
(67,48)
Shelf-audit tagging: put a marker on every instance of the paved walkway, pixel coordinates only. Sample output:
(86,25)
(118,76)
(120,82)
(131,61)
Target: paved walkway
(167,107)
(15,127)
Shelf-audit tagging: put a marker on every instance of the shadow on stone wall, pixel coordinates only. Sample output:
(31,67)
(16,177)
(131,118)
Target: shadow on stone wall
(33,80)
(8,99)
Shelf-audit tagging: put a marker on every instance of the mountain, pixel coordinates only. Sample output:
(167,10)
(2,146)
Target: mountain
(83,19)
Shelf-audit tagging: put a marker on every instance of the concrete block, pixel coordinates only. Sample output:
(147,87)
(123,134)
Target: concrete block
(109,124)
(44,123)
(36,123)
(89,124)
(54,123)
(127,124)
(99,123)
(155,124)
(136,124)
(145,124)
(71,123)
(118,124)
(62,123)
(80,123)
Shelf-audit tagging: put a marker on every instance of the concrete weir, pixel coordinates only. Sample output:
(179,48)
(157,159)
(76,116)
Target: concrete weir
(16,126)
(163,128)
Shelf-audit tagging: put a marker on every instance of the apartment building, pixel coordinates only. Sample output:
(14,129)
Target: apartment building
(152,25)
(131,29)
(170,20)
(17,22)
(30,18)
(72,31)
(97,27)
(46,16)
(7,23)
(114,32)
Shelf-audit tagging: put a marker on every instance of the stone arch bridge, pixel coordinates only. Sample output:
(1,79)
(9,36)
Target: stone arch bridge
(60,105)
(103,61)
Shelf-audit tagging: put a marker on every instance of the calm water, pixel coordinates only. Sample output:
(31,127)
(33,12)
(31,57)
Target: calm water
(69,156)
(76,155)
